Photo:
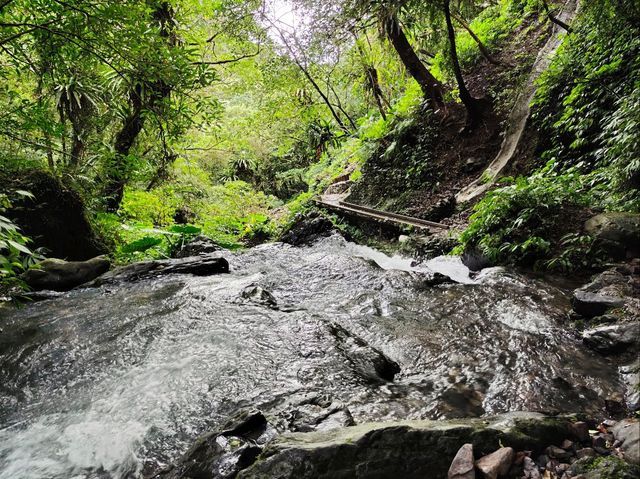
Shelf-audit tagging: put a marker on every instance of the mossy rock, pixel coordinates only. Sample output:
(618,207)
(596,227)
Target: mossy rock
(409,449)
(56,218)
(609,467)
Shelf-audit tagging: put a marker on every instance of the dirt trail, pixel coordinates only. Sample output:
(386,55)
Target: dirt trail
(521,110)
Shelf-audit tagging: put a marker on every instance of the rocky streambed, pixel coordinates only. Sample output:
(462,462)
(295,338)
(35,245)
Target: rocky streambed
(120,379)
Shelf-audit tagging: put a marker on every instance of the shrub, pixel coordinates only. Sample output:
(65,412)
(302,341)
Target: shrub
(15,255)
(520,223)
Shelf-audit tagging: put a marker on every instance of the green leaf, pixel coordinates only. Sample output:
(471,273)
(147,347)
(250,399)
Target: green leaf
(141,245)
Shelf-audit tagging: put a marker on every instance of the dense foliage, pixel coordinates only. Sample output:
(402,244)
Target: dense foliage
(588,111)
(175,118)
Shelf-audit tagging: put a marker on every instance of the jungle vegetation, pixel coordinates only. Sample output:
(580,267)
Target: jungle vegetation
(230,115)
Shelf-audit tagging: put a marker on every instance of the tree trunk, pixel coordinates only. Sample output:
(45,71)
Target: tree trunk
(374,85)
(430,86)
(483,49)
(372,79)
(125,138)
(474,111)
(118,174)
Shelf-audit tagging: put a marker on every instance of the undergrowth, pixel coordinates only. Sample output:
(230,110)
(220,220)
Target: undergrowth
(587,108)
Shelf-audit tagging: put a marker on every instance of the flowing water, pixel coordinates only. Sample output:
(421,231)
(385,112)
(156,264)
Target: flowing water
(114,382)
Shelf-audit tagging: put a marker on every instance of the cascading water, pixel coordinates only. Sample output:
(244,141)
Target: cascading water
(117,381)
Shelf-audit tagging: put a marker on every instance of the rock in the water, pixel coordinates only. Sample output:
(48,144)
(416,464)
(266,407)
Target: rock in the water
(613,339)
(197,266)
(308,229)
(55,219)
(407,450)
(496,464)
(591,305)
(259,295)
(335,420)
(475,259)
(59,275)
(198,246)
(462,466)
(616,232)
(435,279)
(221,455)
(370,363)
(627,432)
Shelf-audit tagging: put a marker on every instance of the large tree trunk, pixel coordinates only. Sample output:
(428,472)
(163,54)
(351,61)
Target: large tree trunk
(430,86)
(118,174)
(473,105)
(125,138)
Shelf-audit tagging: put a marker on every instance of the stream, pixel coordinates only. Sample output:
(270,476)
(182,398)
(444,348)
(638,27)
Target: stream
(117,381)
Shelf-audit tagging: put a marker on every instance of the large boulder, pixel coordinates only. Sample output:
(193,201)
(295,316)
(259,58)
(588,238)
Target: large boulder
(617,232)
(196,265)
(59,275)
(55,219)
(407,449)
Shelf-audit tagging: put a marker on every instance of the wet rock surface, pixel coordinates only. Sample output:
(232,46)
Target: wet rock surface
(59,275)
(613,339)
(610,306)
(591,305)
(195,265)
